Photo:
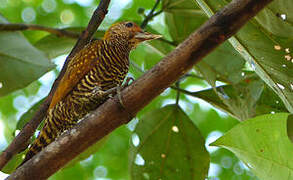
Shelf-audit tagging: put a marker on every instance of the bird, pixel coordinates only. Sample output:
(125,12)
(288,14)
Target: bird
(99,67)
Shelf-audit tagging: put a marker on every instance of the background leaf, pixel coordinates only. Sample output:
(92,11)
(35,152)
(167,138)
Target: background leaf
(18,58)
(166,144)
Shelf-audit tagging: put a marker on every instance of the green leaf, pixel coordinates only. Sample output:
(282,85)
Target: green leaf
(183,18)
(263,145)
(244,100)
(20,62)
(224,64)
(271,18)
(180,18)
(167,145)
(264,51)
(54,46)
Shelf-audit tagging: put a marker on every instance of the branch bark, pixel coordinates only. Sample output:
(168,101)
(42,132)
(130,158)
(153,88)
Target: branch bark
(22,27)
(20,141)
(110,115)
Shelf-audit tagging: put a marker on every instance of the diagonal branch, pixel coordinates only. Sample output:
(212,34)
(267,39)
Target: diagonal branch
(110,115)
(20,141)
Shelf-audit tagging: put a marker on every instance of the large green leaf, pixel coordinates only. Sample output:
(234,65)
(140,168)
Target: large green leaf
(265,52)
(20,62)
(167,145)
(263,145)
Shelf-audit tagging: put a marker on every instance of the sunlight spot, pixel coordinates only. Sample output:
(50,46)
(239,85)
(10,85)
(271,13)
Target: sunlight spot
(16,132)
(226,162)
(135,139)
(84,2)
(21,103)
(288,57)
(280,86)
(166,92)
(67,16)
(167,102)
(213,136)
(139,160)
(146,175)
(238,169)
(243,74)
(175,129)
(214,170)
(28,14)
(273,112)
(291,85)
(3,175)
(116,8)
(132,124)
(277,47)
(49,5)
(252,65)
(87,161)
(163,155)
(101,171)
(287,50)
(277,102)
(3,142)
(284,65)
(283,16)
(1,84)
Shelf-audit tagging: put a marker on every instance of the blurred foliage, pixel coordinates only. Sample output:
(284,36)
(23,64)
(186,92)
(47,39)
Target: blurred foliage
(246,77)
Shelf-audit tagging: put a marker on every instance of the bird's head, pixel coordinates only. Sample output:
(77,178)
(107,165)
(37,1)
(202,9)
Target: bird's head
(128,33)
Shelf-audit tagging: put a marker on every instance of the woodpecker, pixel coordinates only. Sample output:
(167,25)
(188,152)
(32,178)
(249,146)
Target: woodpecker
(100,66)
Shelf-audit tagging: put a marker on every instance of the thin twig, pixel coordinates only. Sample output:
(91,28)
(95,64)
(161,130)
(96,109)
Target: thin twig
(110,115)
(21,27)
(177,84)
(20,141)
(150,15)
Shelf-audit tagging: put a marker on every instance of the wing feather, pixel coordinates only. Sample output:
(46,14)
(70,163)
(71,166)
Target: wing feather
(77,68)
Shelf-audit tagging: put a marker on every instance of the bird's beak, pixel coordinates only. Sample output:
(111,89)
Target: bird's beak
(145,36)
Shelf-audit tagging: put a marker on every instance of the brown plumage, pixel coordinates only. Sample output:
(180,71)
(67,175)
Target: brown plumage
(100,66)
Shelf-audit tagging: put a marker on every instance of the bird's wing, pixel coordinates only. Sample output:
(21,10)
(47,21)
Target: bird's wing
(77,68)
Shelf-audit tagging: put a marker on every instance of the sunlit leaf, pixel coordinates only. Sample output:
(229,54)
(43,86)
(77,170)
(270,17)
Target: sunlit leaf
(263,145)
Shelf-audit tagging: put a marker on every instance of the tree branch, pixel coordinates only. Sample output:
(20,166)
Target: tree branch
(110,115)
(20,141)
(21,27)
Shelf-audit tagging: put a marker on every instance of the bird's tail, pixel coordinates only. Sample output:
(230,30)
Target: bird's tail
(47,135)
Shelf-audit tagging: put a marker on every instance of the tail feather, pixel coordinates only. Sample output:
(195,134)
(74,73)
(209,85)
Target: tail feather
(47,135)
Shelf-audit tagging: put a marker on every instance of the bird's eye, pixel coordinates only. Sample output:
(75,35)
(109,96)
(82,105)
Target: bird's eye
(129,24)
